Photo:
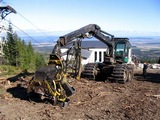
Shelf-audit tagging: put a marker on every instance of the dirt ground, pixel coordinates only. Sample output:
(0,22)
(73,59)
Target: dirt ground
(136,100)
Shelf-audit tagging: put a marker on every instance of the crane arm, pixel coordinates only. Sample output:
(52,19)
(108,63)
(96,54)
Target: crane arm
(91,29)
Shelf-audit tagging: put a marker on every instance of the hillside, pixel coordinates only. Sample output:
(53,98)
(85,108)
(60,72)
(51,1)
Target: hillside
(138,99)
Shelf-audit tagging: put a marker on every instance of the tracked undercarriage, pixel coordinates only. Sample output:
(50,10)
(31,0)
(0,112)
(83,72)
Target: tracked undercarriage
(120,73)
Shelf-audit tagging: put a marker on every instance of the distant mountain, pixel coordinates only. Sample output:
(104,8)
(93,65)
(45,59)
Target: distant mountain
(52,36)
(40,39)
(149,39)
(53,39)
(135,33)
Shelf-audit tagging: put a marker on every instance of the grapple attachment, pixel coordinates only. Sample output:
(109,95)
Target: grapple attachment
(51,83)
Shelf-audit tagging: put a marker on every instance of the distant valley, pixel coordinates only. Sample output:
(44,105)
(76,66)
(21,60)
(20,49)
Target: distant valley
(143,47)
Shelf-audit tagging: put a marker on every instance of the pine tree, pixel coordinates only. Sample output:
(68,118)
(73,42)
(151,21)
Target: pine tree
(18,53)
(6,53)
(39,60)
(22,51)
(10,49)
(31,55)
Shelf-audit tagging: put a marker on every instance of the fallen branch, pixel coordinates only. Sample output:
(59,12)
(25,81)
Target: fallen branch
(157,96)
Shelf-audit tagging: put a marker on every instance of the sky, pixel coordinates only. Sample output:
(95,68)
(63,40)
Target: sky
(119,16)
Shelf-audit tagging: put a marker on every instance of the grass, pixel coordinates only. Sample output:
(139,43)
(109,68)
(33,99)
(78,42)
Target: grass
(6,70)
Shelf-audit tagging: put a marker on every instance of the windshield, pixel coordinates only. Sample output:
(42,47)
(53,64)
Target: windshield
(120,47)
(119,50)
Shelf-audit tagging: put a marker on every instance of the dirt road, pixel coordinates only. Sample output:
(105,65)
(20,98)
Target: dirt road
(136,100)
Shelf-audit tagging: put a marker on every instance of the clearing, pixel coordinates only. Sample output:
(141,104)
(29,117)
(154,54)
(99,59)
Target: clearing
(136,100)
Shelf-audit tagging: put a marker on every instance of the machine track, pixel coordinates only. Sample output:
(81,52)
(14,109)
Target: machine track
(90,71)
(121,74)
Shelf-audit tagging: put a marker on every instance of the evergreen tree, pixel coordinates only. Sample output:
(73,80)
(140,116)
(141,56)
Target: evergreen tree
(22,53)
(6,53)
(10,49)
(18,53)
(39,60)
(31,55)
(17,47)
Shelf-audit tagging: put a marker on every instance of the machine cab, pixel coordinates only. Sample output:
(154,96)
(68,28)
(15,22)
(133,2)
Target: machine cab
(122,50)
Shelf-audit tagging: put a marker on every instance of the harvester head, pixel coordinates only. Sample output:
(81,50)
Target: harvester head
(51,82)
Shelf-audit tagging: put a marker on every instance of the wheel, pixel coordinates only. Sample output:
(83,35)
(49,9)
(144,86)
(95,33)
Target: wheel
(120,73)
(129,76)
(90,71)
(125,77)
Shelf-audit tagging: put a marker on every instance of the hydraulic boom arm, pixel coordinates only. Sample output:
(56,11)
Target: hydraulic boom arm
(92,30)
